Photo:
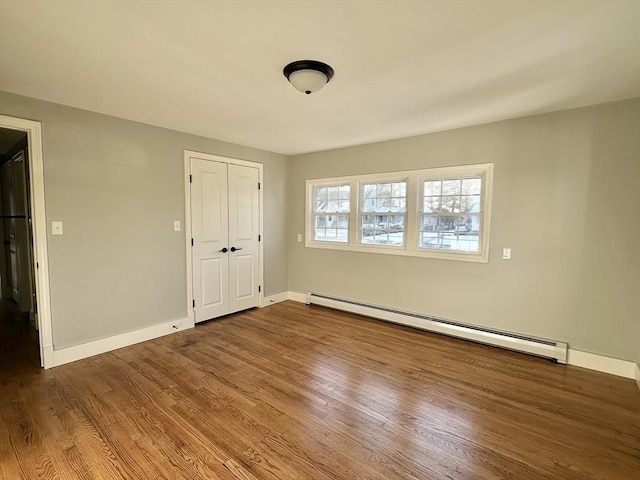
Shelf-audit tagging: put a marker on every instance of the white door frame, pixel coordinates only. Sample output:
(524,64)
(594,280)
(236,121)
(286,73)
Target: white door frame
(39,228)
(188,154)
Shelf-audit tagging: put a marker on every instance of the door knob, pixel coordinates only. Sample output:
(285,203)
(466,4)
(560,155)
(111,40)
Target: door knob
(234,249)
(224,250)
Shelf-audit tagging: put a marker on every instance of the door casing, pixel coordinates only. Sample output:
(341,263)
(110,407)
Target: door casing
(39,225)
(188,155)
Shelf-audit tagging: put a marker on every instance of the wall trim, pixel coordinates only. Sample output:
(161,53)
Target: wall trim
(601,363)
(297,297)
(273,299)
(577,358)
(55,358)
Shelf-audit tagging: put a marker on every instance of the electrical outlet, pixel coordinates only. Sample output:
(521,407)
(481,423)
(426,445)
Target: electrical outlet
(299,238)
(506,253)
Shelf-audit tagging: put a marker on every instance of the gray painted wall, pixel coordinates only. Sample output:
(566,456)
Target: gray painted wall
(118,186)
(566,200)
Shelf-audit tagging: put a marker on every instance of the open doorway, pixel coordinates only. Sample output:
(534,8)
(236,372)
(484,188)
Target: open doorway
(24,269)
(18,305)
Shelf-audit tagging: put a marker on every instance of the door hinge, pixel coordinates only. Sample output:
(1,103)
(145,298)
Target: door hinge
(193,302)
(192,242)
(259,238)
(37,265)
(190,179)
(259,288)
(258,185)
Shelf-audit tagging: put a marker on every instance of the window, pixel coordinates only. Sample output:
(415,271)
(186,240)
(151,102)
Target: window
(438,212)
(450,214)
(382,212)
(331,207)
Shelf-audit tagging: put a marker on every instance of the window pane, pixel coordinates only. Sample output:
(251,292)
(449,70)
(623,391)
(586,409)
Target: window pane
(369,205)
(369,190)
(450,232)
(383,204)
(429,223)
(431,204)
(382,229)
(321,199)
(398,204)
(332,198)
(471,186)
(451,187)
(433,187)
(471,224)
(399,189)
(450,204)
(447,223)
(367,228)
(448,240)
(384,190)
(470,203)
(384,197)
(331,228)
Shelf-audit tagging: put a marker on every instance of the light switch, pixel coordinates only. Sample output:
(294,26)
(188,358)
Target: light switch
(176,226)
(506,254)
(56,228)
(299,237)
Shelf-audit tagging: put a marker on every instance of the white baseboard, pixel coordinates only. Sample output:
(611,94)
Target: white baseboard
(273,299)
(614,366)
(600,363)
(297,297)
(281,297)
(53,358)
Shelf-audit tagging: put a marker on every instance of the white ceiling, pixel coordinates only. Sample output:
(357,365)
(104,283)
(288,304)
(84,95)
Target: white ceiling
(403,68)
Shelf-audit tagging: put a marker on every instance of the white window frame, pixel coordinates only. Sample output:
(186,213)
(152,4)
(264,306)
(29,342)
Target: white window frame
(360,212)
(414,199)
(310,216)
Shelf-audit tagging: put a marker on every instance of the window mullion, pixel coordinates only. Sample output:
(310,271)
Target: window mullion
(354,211)
(411,219)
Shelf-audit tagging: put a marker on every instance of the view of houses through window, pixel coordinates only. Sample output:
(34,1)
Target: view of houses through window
(445,212)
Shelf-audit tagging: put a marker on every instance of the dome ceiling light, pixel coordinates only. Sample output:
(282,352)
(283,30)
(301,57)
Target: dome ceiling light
(308,76)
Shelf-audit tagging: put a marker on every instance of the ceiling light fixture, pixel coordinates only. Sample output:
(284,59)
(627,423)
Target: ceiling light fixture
(308,76)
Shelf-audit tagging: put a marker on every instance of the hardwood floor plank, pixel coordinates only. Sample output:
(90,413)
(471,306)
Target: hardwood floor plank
(238,471)
(294,392)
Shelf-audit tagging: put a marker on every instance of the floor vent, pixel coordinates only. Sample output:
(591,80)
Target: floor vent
(554,350)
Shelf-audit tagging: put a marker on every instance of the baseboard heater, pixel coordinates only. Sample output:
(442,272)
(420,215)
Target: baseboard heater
(551,349)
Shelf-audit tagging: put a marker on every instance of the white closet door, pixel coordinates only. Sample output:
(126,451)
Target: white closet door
(225,224)
(209,227)
(243,237)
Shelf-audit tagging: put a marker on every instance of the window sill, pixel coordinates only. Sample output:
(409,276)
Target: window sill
(403,251)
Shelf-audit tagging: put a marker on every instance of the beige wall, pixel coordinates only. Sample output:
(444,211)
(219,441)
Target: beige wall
(566,200)
(118,187)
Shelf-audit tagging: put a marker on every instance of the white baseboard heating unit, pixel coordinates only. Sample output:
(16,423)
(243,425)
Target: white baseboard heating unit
(554,350)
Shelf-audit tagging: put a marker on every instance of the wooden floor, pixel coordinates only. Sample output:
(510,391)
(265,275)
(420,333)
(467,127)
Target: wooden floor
(298,392)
